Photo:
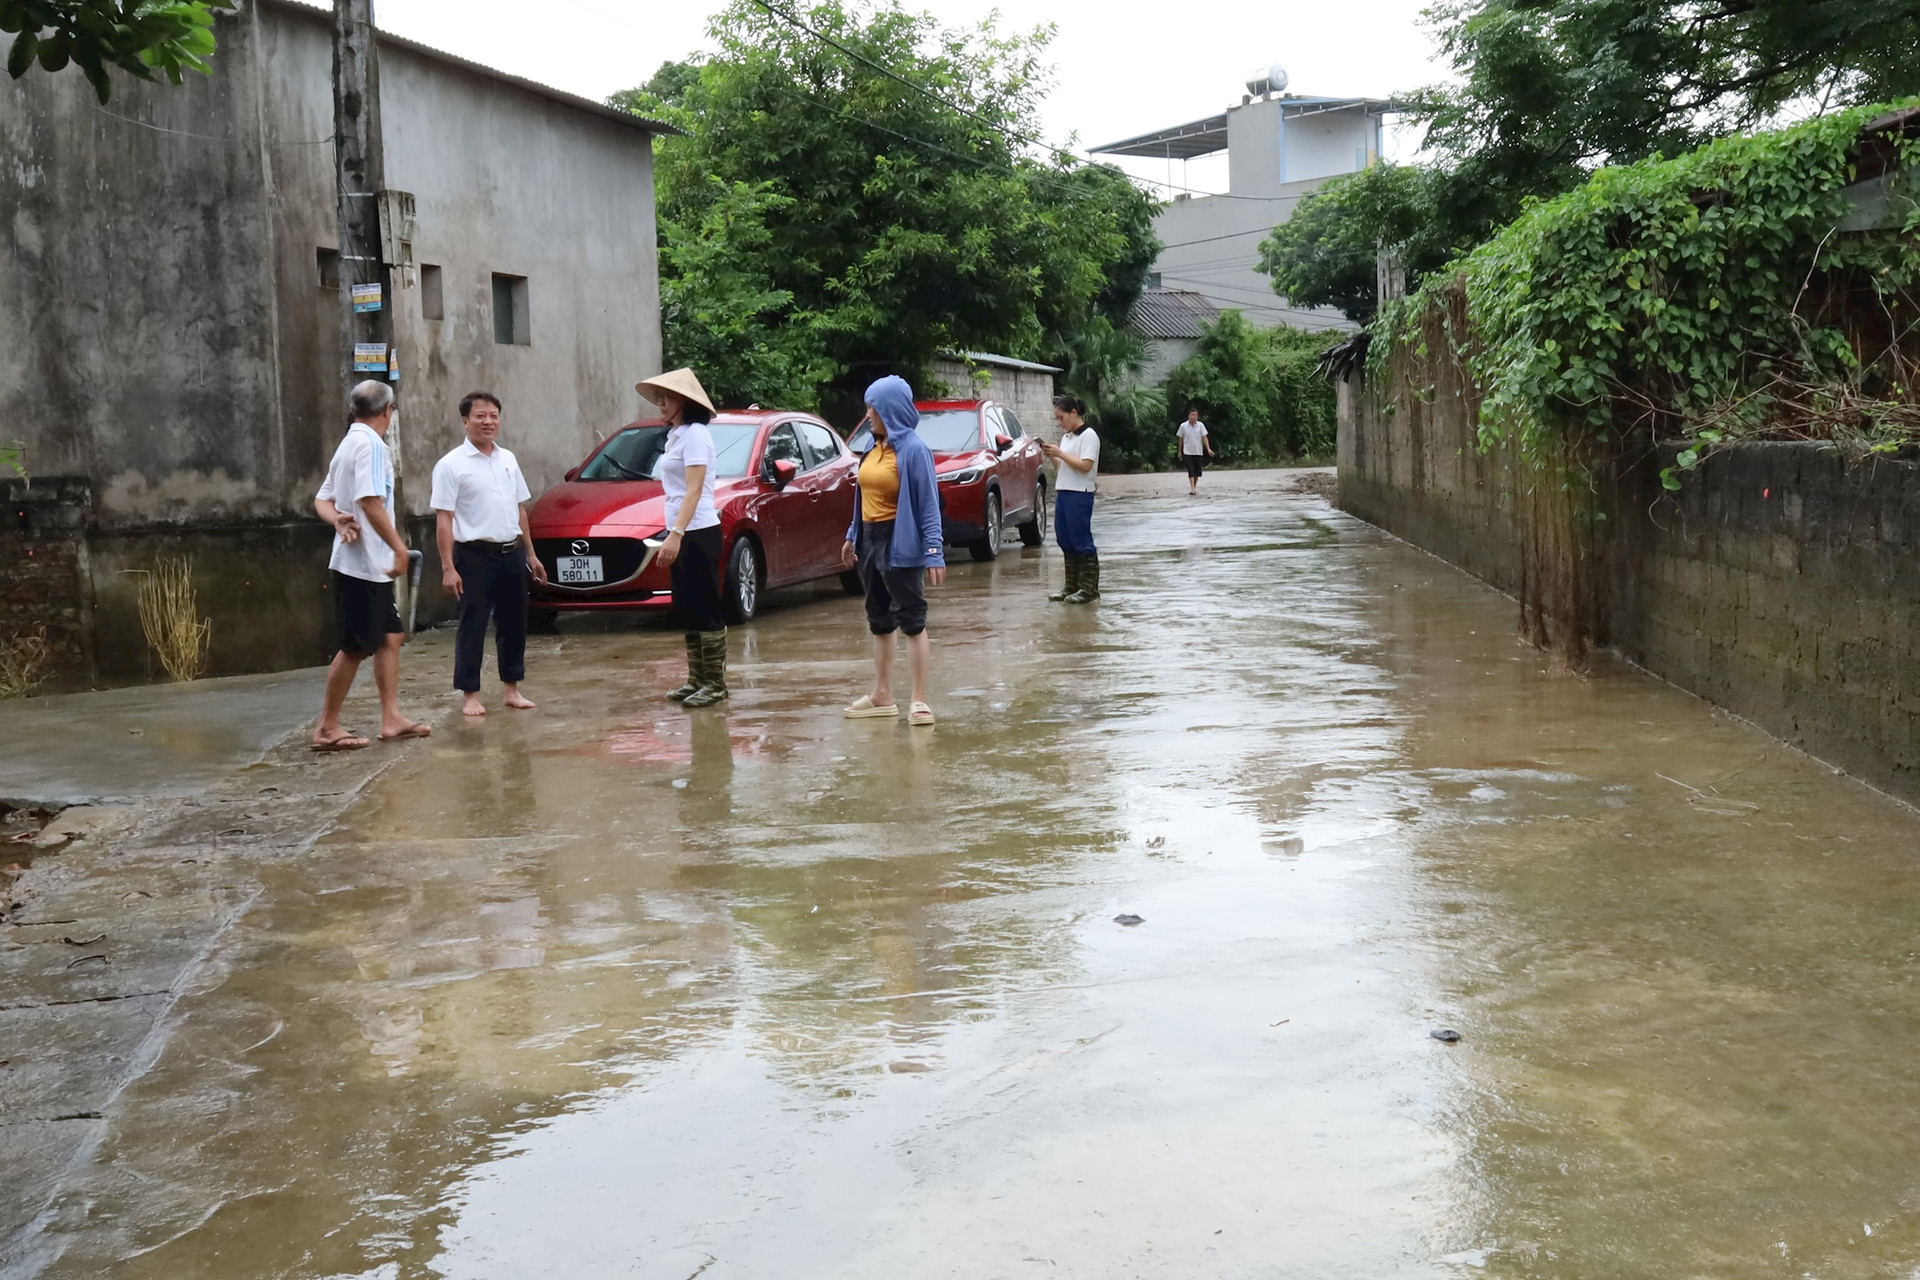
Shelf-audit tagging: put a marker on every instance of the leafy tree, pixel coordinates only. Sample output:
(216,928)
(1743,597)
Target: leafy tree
(897,204)
(1326,253)
(1256,391)
(1106,364)
(144,38)
(1547,91)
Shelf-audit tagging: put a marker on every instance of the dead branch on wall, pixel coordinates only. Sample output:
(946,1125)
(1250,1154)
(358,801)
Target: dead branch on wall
(170,617)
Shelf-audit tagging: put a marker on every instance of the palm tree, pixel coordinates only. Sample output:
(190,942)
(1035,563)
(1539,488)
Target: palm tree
(1105,368)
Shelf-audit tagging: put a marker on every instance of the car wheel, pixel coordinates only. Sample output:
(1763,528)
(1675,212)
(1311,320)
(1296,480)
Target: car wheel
(741,599)
(989,546)
(851,584)
(543,622)
(1034,532)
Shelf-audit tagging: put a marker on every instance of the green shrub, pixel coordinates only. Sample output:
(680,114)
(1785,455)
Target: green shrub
(1256,391)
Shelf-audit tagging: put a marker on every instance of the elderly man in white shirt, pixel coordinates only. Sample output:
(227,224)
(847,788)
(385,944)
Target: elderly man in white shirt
(486,552)
(368,554)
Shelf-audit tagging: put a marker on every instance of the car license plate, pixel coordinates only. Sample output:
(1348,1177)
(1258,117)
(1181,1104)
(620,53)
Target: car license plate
(579,570)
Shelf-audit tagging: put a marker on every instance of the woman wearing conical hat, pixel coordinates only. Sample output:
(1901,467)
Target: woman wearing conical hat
(692,546)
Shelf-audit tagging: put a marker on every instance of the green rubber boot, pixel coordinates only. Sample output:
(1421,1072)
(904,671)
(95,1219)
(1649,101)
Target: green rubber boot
(1089,581)
(1073,579)
(696,670)
(713,679)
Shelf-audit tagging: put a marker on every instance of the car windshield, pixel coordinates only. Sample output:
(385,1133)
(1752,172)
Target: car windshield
(634,454)
(944,430)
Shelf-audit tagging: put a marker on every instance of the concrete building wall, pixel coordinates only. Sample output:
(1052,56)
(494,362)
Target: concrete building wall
(1323,144)
(1212,246)
(167,347)
(1163,354)
(1779,583)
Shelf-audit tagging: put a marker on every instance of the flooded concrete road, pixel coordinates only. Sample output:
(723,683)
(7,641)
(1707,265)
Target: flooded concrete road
(611,989)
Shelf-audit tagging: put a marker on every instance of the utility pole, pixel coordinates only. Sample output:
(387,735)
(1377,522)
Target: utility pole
(360,174)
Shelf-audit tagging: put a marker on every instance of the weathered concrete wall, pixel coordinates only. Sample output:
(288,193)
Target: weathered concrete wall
(1028,392)
(165,337)
(1779,583)
(45,575)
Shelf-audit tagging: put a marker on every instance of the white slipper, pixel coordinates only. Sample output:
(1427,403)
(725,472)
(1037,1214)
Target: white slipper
(921,713)
(865,710)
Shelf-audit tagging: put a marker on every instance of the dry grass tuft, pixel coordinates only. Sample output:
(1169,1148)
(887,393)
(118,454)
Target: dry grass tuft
(23,663)
(169,614)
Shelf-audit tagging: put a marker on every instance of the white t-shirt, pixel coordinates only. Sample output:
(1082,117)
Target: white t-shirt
(362,467)
(688,446)
(1193,437)
(1081,444)
(483,492)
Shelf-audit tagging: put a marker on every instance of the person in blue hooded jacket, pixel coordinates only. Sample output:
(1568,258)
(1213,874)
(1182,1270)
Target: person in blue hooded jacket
(895,543)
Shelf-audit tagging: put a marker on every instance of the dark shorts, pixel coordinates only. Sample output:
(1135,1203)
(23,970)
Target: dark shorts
(1196,463)
(896,599)
(364,614)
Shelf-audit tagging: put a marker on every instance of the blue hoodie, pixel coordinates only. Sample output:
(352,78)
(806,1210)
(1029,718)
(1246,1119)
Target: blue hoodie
(919,504)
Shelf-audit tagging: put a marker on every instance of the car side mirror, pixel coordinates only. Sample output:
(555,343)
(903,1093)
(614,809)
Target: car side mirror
(782,472)
(573,473)
(1003,443)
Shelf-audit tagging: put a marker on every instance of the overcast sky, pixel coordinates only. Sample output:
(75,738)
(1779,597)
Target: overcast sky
(1124,68)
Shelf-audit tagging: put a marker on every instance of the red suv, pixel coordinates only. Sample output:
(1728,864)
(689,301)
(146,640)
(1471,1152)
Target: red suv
(989,470)
(783,484)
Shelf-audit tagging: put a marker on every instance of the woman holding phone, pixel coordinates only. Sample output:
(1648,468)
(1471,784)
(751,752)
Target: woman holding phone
(1078,454)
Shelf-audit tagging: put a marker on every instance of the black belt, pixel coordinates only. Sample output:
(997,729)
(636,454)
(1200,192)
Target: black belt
(497,548)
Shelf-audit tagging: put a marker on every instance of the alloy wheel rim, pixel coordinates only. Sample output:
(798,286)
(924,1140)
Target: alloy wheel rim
(993,524)
(749,581)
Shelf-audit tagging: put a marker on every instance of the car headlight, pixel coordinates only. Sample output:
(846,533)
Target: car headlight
(967,476)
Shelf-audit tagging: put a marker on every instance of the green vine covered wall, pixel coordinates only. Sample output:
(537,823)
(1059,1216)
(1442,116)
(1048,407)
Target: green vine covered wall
(1762,285)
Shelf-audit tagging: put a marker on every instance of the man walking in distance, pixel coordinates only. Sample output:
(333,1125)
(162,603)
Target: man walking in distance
(486,551)
(367,556)
(1195,449)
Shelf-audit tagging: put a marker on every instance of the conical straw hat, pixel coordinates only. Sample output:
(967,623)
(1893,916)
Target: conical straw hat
(679,381)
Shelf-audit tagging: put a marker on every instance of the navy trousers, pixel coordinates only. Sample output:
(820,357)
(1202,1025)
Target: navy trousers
(1073,523)
(493,587)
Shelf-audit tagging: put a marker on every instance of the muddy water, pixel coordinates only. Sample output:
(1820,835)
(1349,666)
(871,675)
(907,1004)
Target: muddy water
(612,990)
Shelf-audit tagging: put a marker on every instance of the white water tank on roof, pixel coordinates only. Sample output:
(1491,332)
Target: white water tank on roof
(1268,79)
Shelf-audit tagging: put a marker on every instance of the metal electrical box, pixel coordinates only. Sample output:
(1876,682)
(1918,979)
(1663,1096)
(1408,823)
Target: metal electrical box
(396,228)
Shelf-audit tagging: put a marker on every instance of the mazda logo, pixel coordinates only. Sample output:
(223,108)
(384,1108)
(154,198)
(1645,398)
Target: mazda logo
(579,546)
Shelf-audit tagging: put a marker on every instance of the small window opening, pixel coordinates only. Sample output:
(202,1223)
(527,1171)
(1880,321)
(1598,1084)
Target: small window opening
(510,311)
(433,304)
(328,263)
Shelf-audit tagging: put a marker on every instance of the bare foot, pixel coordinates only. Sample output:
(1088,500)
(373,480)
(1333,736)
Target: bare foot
(472,707)
(403,729)
(519,701)
(338,740)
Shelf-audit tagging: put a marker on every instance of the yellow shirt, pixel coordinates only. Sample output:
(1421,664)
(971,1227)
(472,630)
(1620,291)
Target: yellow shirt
(879,485)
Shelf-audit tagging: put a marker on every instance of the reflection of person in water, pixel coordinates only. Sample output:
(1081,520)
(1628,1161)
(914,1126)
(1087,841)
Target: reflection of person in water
(706,803)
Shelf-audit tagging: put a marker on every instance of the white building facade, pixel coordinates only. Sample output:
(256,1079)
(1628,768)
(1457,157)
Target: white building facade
(1279,149)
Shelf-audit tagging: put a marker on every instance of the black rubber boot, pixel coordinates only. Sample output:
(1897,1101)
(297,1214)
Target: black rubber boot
(696,670)
(713,678)
(1073,579)
(1089,581)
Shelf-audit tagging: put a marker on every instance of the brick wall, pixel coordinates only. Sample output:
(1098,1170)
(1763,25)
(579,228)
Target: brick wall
(44,578)
(1780,582)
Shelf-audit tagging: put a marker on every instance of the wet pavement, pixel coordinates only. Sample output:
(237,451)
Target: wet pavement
(611,989)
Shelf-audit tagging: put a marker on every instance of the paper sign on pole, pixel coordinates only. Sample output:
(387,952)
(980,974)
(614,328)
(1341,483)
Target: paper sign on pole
(366,297)
(369,357)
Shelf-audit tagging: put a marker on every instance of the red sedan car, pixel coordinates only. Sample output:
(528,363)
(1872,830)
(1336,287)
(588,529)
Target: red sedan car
(783,484)
(990,472)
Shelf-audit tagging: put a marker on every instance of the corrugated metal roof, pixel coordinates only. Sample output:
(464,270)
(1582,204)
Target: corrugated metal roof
(1004,362)
(1173,313)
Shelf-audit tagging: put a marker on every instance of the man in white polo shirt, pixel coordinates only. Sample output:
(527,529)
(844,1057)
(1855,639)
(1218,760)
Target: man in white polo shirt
(368,555)
(486,552)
